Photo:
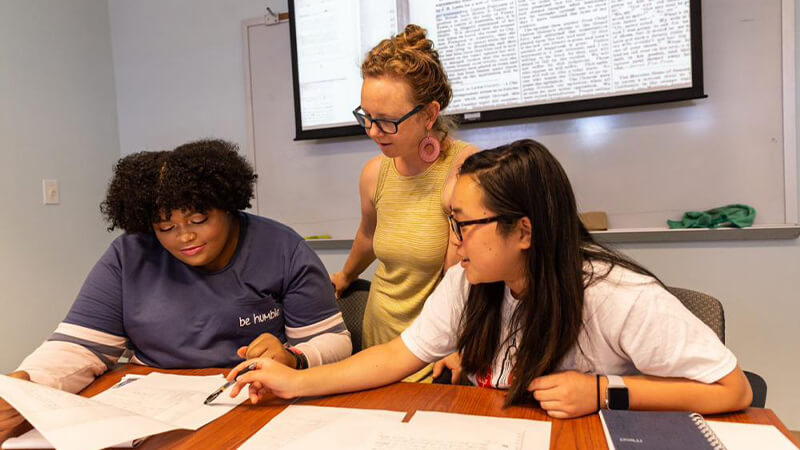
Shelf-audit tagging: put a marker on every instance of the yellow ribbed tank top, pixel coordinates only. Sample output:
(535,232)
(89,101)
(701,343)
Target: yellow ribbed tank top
(410,242)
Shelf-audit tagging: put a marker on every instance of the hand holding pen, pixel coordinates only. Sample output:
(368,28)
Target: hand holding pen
(228,384)
(266,378)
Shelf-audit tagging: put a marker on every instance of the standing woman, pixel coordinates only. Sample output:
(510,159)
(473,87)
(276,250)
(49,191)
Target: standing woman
(406,189)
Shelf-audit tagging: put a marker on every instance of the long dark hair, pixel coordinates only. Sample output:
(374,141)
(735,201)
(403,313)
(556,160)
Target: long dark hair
(523,179)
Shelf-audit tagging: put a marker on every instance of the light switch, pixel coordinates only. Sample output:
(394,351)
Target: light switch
(50,192)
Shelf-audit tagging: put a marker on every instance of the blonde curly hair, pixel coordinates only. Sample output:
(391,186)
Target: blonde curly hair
(410,56)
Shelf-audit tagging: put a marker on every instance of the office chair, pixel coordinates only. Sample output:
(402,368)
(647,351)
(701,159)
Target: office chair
(352,303)
(709,310)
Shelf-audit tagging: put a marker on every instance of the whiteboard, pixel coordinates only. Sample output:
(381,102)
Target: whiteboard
(641,165)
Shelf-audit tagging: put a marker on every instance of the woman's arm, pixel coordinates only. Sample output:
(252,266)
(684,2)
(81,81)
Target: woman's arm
(324,348)
(72,357)
(376,366)
(92,336)
(730,393)
(573,394)
(361,254)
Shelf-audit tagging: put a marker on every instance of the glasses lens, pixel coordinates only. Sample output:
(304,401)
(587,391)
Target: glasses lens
(389,127)
(386,126)
(454,226)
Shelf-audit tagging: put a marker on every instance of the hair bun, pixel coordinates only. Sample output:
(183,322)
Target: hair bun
(411,57)
(415,37)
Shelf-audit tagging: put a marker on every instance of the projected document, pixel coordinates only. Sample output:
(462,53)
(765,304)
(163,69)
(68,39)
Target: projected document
(497,53)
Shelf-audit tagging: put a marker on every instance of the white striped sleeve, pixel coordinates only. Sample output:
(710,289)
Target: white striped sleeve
(323,342)
(72,357)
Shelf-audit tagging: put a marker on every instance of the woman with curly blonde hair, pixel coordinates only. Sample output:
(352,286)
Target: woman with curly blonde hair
(406,189)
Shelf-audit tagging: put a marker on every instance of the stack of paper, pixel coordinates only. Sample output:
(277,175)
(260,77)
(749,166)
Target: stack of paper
(153,404)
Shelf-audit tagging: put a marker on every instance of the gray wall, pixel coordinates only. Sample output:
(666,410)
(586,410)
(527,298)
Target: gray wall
(58,120)
(179,70)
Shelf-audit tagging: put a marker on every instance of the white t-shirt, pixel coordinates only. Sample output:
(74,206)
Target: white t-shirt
(632,325)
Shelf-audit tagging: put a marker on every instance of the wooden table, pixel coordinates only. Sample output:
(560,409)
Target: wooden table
(234,428)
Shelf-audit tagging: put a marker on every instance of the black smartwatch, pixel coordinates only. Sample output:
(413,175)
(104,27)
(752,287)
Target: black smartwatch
(300,360)
(616,393)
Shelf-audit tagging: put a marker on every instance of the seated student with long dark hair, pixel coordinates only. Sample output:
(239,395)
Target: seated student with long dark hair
(193,282)
(538,308)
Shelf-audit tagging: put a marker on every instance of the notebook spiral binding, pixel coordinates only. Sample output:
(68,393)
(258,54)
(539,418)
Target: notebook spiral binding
(708,433)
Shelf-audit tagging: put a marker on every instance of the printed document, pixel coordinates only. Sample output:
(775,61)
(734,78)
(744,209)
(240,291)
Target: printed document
(296,421)
(535,434)
(154,404)
(302,427)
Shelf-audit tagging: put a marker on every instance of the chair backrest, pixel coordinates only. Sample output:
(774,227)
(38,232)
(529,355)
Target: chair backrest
(709,310)
(705,307)
(352,304)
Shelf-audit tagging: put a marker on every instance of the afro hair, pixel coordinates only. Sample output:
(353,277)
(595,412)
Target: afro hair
(198,176)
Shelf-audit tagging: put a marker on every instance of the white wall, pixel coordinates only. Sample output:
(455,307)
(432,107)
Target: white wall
(179,70)
(183,78)
(58,121)
(179,77)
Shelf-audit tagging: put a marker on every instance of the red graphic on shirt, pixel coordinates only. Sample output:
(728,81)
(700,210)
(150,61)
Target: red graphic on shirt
(484,380)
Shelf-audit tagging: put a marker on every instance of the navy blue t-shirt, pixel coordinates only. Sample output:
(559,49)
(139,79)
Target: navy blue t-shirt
(178,316)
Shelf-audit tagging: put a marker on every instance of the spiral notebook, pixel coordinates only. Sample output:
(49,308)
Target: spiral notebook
(658,430)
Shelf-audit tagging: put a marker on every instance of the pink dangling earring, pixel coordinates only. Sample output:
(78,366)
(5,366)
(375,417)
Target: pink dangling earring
(429,148)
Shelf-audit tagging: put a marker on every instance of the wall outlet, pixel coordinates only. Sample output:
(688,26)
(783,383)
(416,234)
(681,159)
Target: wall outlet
(50,192)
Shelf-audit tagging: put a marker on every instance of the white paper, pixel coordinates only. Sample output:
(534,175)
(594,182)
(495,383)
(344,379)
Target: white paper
(746,436)
(425,436)
(535,433)
(69,421)
(374,432)
(154,404)
(174,399)
(34,440)
(296,421)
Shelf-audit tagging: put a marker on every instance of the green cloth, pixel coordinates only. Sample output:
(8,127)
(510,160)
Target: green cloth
(738,216)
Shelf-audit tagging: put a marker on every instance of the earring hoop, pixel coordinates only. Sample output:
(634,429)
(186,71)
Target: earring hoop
(429,148)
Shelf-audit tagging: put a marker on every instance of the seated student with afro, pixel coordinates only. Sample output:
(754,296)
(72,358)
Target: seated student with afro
(193,282)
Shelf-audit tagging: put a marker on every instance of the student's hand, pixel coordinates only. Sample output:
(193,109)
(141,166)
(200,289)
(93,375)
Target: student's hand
(267,346)
(11,422)
(267,378)
(340,282)
(566,394)
(452,362)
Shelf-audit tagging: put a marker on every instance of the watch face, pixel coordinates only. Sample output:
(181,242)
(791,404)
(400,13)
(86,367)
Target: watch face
(617,398)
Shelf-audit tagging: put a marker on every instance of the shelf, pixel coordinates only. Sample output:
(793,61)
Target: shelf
(755,233)
(635,235)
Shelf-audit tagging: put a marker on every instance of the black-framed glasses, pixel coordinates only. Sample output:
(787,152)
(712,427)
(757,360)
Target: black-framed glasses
(387,126)
(456,225)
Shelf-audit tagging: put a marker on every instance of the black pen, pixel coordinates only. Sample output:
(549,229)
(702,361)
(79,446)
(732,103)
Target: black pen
(228,384)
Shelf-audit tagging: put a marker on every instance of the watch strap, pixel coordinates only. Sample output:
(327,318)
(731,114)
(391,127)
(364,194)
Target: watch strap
(300,360)
(616,393)
(615,381)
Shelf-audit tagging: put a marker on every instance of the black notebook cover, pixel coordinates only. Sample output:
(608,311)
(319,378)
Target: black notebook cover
(657,430)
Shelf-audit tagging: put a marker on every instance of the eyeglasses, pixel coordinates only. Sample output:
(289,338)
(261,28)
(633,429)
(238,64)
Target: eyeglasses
(456,226)
(387,126)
